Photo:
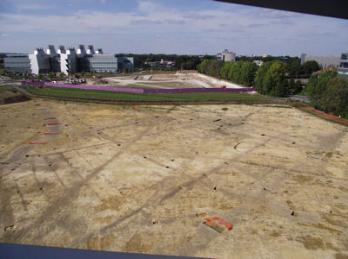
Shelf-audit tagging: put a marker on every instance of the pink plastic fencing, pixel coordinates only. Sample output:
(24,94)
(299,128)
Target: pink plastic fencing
(136,90)
(199,90)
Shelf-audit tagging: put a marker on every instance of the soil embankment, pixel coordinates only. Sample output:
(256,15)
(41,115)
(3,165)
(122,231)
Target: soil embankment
(12,96)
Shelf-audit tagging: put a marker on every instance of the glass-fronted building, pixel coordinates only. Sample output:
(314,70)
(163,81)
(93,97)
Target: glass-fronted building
(101,63)
(67,61)
(17,63)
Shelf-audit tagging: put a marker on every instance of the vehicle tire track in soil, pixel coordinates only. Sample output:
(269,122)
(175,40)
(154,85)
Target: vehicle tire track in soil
(19,192)
(72,193)
(19,152)
(74,171)
(40,184)
(92,176)
(292,170)
(74,149)
(277,182)
(298,164)
(164,191)
(152,200)
(120,220)
(14,155)
(66,160)
(156,201)
(51,166)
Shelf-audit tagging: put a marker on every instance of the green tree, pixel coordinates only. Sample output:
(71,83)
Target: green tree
(294,67)
(240,72)
(203,66)
(317,84)
(271,79)
(309,67)
(335,97)
(210,67)
(295,87)
(225,70)
(275,79)
(234,72)
(248,73)
(214,68)
(260,76)
(329,93)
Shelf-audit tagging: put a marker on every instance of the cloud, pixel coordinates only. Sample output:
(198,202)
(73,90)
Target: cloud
(243,29)
(33,7)
(148,6)
(97,21)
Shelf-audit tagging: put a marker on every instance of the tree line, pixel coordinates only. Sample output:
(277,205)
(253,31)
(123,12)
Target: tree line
(329,92)
(275,77)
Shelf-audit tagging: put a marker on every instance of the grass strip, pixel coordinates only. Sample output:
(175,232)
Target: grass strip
(130,97)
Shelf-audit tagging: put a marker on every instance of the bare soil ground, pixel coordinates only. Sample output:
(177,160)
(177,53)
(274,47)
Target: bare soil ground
(170,80)
(143,179)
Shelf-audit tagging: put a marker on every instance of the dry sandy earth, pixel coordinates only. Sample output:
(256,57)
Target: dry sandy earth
(170,80)
(143,178)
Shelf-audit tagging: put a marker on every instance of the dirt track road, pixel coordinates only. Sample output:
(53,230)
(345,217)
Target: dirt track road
(144,178)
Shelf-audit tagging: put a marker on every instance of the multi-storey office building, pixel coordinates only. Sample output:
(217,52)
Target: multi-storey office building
(90,50)
(68,61)
(39,62)
(103,63)
(81,59)
(17,63)
(54,59)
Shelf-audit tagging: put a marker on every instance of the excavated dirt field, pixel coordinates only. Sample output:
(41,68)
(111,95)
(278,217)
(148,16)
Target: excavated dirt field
(144,178)
(168,80)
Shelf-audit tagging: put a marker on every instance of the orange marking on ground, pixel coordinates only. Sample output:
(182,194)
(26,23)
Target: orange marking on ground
(37,142)
(217,223)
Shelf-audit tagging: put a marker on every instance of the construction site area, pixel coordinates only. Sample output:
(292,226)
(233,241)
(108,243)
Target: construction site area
(168,80)
(216,181)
